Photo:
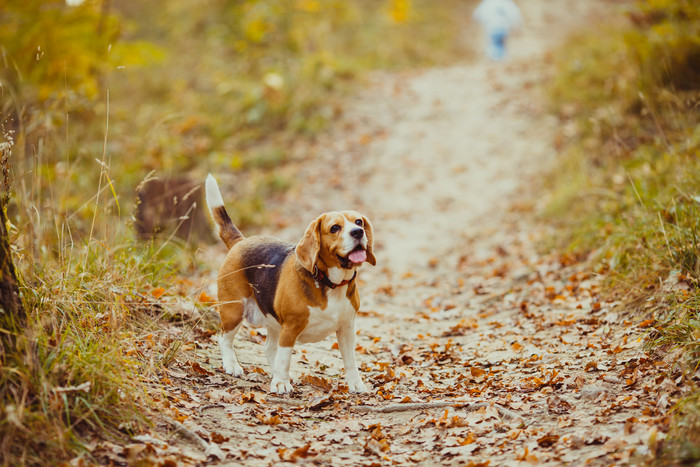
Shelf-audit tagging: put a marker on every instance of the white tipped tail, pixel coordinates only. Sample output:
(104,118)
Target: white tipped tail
(214,198)
(228,232)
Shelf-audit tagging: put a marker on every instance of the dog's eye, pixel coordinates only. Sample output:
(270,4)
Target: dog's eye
(335,228)
(359,222)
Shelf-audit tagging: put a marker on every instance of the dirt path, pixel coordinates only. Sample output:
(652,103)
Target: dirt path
(518,357)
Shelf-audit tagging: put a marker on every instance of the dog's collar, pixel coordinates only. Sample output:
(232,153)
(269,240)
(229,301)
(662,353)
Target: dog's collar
(323,279)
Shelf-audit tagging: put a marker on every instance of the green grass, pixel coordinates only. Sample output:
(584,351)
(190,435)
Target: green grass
(626,192)
(84,363)
(81,367)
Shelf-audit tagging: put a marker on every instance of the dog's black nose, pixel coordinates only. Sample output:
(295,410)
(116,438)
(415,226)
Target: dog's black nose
(357,233)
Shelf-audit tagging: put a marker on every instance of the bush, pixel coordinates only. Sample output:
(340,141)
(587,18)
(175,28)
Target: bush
(628,102)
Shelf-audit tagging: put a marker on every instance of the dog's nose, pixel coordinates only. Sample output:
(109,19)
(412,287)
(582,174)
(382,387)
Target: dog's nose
(357,233)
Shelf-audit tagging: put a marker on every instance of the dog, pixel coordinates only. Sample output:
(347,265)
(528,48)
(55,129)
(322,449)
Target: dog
(300,293)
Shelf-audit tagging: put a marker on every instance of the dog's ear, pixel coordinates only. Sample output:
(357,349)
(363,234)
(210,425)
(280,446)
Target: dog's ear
(309,247)
(370,241)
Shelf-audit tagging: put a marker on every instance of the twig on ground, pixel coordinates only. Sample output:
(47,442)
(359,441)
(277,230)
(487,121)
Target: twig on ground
(186,433)
(469,406)
(285,401)
(210,449)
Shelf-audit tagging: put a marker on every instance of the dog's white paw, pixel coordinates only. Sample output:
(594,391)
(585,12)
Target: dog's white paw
(233,368)
(280,386)
(357,386)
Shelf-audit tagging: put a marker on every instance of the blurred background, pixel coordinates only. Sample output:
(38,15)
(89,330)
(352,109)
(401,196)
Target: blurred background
(99,96)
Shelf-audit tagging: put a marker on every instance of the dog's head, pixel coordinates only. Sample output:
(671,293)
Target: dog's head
(337,239)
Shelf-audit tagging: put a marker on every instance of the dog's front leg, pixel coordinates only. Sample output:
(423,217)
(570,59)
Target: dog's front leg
(346,342)
(280,371)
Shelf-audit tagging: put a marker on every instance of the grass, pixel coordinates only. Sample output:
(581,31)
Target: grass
(626,192)
(81,367)
(85,362)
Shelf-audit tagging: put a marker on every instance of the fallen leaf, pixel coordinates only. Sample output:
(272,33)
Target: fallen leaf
(199,369)
(548,440)
(219,395)
(218,438)
(319,402)
(269,419)
(557,405)
(206,298)
(158,292)
(293,455)
(318,382)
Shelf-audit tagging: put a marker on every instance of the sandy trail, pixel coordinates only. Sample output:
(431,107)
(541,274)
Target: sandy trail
(460,308)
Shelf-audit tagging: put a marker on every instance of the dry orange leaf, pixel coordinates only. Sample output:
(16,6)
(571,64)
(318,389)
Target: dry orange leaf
(548,440)
(158,292)
(197,368)
(206,298)
(218,438)
(317,381)
(271,420)
(293,455)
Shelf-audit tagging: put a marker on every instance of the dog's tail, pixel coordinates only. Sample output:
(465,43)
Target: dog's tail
(228,232)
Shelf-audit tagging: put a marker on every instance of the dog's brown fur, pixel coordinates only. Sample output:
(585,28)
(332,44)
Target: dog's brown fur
(308,287)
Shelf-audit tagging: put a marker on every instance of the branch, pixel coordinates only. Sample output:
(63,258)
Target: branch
(470,407)
(210,449)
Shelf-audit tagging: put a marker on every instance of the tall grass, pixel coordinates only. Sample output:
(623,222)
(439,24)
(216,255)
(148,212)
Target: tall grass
(627,191)
(82,365)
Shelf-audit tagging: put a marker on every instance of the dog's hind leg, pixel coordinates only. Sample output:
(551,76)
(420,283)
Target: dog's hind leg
(231,321)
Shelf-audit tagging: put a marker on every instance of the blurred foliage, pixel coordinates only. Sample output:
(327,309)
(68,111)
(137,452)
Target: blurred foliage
(188,87)
(50,49)
(629,128)
(626,189)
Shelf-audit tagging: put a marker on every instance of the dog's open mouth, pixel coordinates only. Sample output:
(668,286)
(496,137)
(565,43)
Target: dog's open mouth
(356,256)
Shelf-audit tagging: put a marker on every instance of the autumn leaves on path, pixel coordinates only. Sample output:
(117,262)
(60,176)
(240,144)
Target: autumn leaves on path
(508,357)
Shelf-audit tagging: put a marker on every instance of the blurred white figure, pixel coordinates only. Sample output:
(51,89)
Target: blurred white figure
(498,18)
(74,2)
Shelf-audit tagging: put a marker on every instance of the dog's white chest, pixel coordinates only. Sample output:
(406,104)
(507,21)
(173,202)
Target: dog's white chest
(339,312)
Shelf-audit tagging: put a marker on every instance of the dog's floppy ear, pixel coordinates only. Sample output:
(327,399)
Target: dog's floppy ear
(309,246)
(370,241)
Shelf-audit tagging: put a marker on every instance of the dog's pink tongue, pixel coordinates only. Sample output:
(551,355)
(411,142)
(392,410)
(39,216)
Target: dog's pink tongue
(358,256)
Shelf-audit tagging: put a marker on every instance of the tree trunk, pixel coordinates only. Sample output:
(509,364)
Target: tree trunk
(12,314)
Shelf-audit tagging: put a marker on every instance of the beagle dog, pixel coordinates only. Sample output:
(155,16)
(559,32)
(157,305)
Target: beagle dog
(300,293)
